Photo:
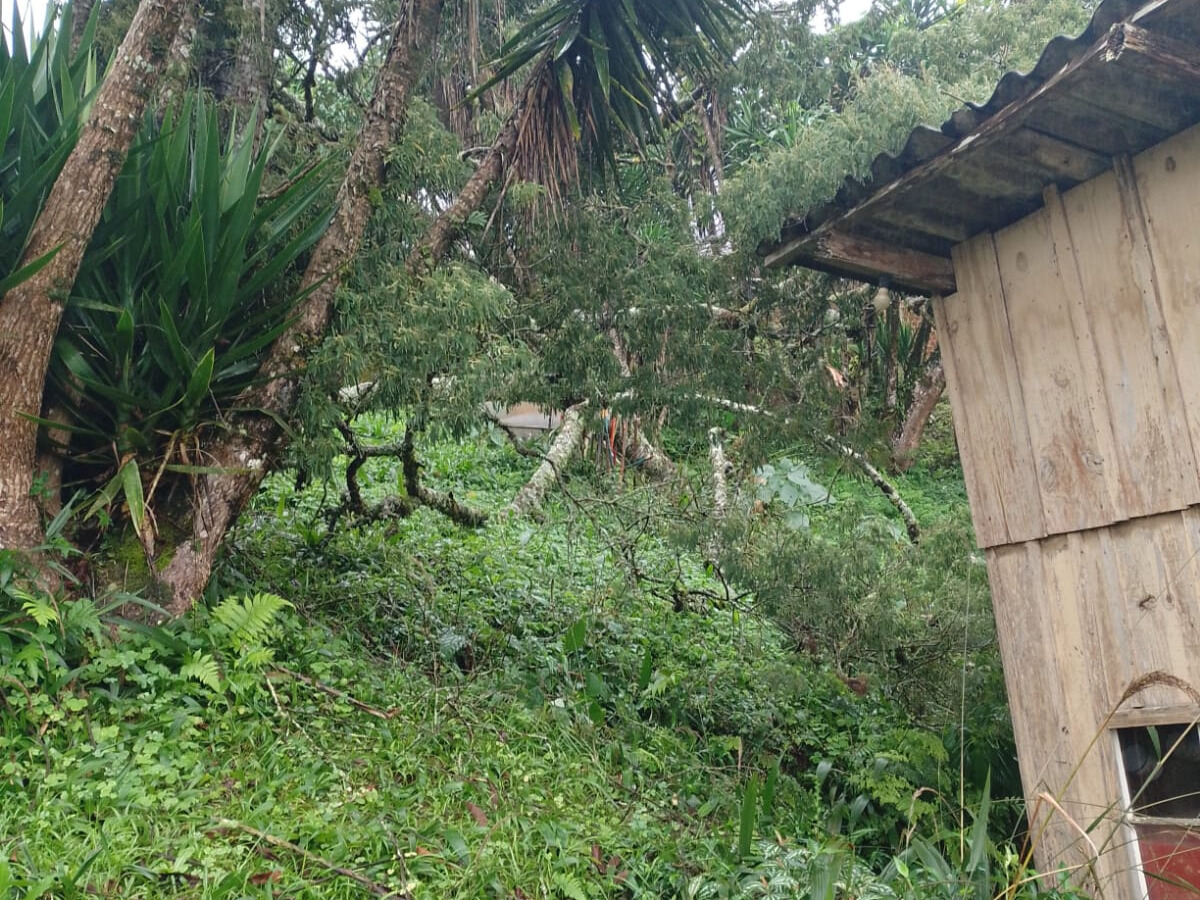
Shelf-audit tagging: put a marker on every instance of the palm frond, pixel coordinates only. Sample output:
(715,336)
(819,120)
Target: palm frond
(597,69)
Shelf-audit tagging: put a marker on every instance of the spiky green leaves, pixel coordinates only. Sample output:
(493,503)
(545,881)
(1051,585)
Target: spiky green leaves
(603,68)
(189,277)
(44,91)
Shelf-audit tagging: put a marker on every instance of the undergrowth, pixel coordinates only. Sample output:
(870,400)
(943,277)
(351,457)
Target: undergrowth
(576,708)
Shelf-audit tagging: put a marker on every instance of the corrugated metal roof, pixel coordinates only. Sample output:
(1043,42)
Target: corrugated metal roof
(1129,81)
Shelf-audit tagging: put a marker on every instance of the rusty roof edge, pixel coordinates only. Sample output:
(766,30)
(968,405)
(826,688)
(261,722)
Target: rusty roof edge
(1012,88)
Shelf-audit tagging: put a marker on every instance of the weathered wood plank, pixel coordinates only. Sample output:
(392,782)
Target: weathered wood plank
(1155,715)
(1061,161)
(1168,188)
(1091,789)
(1069,447)
(1134,388)
(1152,562)
(988,519)
(1005,501)
(872,260)
(1112,638)
(1109,459)
(1161,54)
(1024,626)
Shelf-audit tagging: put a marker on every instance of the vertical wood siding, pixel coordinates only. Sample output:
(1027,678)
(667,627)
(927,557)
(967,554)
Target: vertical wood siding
(1081,618)
(1071,353)
(1072,356)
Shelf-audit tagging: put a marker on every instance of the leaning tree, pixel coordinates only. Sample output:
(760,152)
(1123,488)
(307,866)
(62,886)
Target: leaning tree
(593,72)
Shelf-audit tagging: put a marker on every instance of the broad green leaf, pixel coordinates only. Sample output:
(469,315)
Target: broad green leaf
(575,637)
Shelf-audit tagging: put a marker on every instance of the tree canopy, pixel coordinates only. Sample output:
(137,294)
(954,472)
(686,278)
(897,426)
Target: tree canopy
(552,203)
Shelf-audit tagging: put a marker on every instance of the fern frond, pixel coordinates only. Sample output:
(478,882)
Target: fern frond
(201,667)
(248,620)
(256,658)
(569,886)
(39,607)
(81,617)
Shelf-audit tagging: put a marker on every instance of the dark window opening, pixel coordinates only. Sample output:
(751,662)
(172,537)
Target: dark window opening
(1162,769)
(1162,775)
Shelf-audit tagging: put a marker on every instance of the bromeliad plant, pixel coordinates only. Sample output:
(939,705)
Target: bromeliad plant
(190,276)
(44,93)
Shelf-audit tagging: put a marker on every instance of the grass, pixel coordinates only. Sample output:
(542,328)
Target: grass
(568,709)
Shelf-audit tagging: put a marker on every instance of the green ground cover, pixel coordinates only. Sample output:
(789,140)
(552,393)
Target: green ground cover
(571,708)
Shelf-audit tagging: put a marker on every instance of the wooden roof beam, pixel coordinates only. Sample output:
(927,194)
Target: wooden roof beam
(870,260)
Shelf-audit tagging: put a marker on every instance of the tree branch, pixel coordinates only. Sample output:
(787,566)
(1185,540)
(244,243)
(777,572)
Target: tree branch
(445,503)
(570,433)
(910,521)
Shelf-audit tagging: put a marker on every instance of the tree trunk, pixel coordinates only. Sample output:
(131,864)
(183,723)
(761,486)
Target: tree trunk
(30,312)
(892,377)
(925,397)
(81,11)
(247,453)
(250,83)
(433,248)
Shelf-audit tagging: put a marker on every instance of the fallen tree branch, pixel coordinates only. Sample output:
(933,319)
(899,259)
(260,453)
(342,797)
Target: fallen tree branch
(385,714)
(720,472)
(910,521)
(395,507)
(649,459)
(720,478)
(224,826)
(570,433)
(911,526)
(443,502)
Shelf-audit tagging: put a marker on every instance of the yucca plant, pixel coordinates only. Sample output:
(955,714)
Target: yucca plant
(44,92)
(190,275)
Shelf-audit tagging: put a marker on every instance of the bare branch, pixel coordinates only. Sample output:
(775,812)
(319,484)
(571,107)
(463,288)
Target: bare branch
(570,433)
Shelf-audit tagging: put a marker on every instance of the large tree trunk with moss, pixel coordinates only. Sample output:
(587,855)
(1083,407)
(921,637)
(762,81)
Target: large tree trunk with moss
(30,312)
(245,454)
(250,85)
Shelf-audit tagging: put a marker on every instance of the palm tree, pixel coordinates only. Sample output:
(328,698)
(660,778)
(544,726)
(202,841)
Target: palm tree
(597,70)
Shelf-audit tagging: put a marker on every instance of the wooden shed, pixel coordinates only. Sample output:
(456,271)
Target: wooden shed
(1057,229)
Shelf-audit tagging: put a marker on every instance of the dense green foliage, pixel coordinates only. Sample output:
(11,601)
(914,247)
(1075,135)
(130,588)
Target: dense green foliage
(186,282)
(567,710)
(745,681)
(44,93)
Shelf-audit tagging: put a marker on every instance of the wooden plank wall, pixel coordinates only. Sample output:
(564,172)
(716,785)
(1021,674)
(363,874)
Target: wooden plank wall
(1072,355)
(1082,618)
(1069,353)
